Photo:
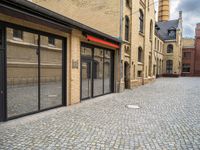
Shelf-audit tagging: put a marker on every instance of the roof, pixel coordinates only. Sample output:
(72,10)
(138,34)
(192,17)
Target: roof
(164,28)
(24,6)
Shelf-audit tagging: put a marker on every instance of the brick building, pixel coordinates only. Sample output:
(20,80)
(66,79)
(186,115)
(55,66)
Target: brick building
(191,55)
(58,53)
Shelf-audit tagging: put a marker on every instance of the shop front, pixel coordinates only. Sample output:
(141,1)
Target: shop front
(97,71)
(48,60)
(32,71)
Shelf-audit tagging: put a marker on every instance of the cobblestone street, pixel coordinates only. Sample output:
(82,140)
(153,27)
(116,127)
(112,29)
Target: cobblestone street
(168,118)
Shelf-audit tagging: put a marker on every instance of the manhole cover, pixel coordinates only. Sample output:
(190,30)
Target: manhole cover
(133,106)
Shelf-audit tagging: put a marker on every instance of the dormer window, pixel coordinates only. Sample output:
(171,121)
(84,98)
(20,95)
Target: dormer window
(172,33)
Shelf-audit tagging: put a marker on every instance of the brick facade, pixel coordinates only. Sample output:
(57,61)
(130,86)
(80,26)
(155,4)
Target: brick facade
(191,55)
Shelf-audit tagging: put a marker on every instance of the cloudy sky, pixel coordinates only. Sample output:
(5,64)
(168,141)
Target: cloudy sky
(191,14)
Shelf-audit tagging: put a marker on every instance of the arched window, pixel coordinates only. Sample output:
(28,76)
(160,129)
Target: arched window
(127,28)
(141,21)
(169,66)
(151,30)
(140,55)
(170,48)
(128,3)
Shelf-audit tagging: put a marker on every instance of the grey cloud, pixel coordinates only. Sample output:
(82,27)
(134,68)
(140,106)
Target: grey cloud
(191,15)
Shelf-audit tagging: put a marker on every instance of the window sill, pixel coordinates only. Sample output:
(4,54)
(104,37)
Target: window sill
(140,63)
(127,42)
(141,33)
(51,45)
(17,39)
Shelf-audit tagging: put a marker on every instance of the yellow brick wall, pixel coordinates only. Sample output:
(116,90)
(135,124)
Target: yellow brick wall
(38,27)
(103,15)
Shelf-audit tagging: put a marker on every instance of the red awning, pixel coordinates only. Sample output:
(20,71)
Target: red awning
(97,40)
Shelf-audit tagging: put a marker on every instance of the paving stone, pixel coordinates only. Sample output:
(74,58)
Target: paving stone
(168,118)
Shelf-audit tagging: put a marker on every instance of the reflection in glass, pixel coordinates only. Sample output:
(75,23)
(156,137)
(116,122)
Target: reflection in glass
(22,74)
(107,72)
(50,73)
(86,79)
(86,52)
(98,72)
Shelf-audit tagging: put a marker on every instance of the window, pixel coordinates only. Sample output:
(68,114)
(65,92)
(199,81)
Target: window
(139,54)
(139,73)
(158,47)
(47,67)
(172,33)
(187,55)
(155,44)
(128,3)
(17,34)
(141,18)
(186,68)
(51,40)
(127,28)
(151,30)
(170,48)
(169,66)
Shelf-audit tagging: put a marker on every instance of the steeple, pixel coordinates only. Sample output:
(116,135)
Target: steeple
(164,10)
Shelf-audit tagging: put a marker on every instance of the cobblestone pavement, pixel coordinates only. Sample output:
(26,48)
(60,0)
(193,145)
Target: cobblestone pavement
(169,118)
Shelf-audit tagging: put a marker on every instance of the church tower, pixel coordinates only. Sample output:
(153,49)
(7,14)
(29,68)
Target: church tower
(164,10)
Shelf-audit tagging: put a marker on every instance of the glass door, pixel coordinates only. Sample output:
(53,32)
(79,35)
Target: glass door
(22,72)
(86,77)
(35,72)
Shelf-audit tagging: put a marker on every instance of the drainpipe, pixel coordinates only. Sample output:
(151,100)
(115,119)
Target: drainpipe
(144,46)
(120,37)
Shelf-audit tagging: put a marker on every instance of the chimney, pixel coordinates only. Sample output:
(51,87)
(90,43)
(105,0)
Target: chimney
(180,15)
(164,10)
(198,30)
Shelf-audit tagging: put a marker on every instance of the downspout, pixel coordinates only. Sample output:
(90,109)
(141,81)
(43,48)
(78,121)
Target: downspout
(120,37)
(144,47)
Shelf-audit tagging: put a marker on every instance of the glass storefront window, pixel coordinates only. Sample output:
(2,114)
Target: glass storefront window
(34,73)
(107,72)
(22,74)
(50,73)
(98,71)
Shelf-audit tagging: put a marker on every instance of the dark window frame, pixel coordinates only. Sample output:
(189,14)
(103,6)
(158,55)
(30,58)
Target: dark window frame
(19,34)
(151,31)
(82,58)
(170,48)
(64,64)
(187,55)
(141,19)
(186,68)
(51,40)
(169,66)
(128,3)
(139,73)
(127,28)
(140,53)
